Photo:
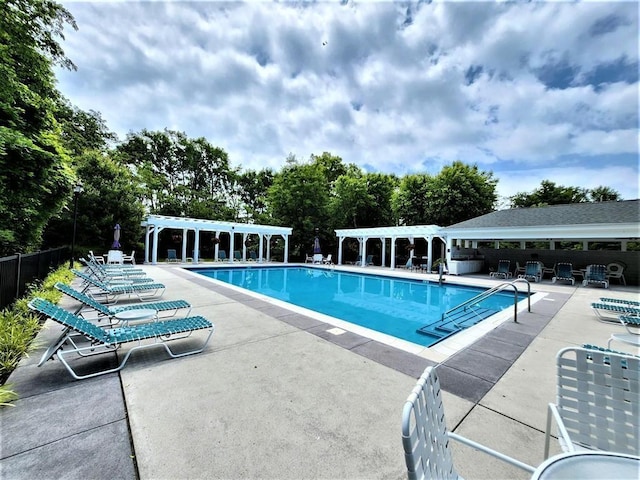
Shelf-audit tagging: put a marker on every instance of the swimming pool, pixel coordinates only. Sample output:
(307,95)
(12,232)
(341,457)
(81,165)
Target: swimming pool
(394,306)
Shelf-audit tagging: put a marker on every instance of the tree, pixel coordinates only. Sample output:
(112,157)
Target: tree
(460,192)
(182,176)
(604,194)
(35,174)
(83,131)
(299,198)
(253,188)
(549,194)
(410,199)
(111,195)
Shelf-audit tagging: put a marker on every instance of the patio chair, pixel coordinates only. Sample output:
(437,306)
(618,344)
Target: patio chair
(597,398)
(172,255)
(237,256)
(564,273)
(609,312)
(368,261)
(110,312)
(532,271)
(518,271)
(99,340)
(130,258)
(503,269)
(112,291)
(596,274)
(222,256)
(616,270)
(308,259)
(425,437)
(328,260)
(631,337)
(252,256)
(115,256)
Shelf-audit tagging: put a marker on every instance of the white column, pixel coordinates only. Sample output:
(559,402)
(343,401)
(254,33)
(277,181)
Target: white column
(286,251)
(147,233)
(340,240)
(429,253)
(232,244)
(154,253)
(216,247)
(363,250)
(393,252)
(261,245)
(196,247)
(184,245)
(384,251)
(244,246)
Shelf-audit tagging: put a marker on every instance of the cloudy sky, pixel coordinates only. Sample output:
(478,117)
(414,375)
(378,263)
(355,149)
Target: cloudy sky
(528,91)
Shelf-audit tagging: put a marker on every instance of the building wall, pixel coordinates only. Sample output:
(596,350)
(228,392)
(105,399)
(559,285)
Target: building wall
(579,259)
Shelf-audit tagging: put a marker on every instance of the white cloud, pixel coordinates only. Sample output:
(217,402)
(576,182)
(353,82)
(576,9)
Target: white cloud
(381,84)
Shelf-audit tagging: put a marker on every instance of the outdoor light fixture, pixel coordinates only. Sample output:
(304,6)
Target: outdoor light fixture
(77,190)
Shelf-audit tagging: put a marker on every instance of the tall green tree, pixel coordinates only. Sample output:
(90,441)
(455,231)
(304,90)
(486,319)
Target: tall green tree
(35,174)
(410,200)
(181,176)
(460,192)
(548,193)
(253,189)
(299,198)
(111,195)
(604,194)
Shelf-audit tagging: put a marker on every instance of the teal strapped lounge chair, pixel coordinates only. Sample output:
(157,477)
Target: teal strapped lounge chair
(368,260)
(614,310)
(103,310)
(532,271)
(237,256)
(111,291)
(564,272)
(503,269)
(596,274)
(115,276)
(620,301)
(222,255)
(109,340)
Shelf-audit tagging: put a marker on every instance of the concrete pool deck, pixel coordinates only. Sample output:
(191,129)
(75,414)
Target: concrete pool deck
(277,395)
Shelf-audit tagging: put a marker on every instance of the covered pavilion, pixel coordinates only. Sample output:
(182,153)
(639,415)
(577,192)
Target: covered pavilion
(154,224)
(426,232)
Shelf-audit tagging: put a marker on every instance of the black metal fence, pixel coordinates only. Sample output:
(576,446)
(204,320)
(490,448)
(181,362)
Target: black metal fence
(18,271)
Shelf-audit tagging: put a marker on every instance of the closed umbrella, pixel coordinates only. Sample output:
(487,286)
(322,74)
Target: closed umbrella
(116,236)
(316,246)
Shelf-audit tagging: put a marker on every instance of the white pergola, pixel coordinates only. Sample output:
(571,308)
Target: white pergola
(428,232)
(154,224)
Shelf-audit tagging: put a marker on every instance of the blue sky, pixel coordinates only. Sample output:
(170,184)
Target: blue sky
(530,91)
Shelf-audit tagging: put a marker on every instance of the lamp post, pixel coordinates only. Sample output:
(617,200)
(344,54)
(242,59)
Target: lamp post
(77,190)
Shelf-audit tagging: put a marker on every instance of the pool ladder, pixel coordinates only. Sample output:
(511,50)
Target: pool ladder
(471,305)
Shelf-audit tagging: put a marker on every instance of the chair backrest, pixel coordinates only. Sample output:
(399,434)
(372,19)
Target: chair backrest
(533,268)
(68,319)
(222,255)
(328,259)
(503,266)
(424,431)
(369,260)
(252,255)
(615,269)
(596,273)
(114,256)
(237,255)
(598,396)
(82,298)
(564,270)
(172,254)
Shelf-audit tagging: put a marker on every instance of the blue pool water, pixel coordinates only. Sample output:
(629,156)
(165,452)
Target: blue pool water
(396,307)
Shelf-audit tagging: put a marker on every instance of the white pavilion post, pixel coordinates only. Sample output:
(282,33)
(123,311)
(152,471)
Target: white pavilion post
(340,240)
(147,234)
(184,244)
(286,250)
(232,244)
(393,252)
(261,246)
(384,251)
(196,247)
(154,253)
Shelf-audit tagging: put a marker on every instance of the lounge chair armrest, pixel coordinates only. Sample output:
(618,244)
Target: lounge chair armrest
(553,413)
(493,453)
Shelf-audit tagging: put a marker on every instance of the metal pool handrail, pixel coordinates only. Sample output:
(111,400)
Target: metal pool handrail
(498,288)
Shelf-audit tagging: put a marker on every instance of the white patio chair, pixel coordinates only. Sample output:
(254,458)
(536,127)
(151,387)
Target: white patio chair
(130,258)
(597,401)
(425,436)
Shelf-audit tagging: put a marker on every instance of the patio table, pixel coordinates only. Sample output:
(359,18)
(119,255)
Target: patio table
(127,316)
(589,465)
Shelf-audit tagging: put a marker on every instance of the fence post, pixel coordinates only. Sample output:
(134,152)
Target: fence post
(19,260)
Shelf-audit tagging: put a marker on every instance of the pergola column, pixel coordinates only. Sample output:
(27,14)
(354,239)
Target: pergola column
(340,241)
